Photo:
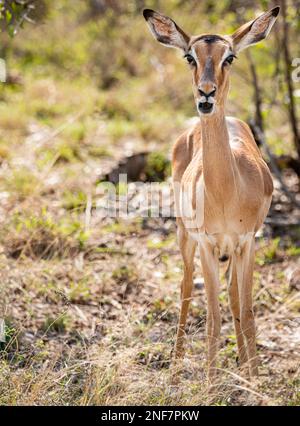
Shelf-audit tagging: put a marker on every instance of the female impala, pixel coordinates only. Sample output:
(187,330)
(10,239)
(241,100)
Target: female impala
(223,187)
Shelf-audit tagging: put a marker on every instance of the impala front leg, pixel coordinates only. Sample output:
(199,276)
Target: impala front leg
(245,265)
(210,268)
(235,309)
(187,248)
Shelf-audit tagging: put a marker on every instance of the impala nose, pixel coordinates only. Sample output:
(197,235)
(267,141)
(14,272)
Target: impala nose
(207,95)
(206,102)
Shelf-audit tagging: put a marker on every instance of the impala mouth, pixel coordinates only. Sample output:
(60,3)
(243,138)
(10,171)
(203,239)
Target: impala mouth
(205,107)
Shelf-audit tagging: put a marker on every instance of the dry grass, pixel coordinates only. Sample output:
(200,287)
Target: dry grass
(98,327)
(91,305)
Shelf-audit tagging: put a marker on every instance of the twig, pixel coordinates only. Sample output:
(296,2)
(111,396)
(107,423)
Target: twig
(88,210)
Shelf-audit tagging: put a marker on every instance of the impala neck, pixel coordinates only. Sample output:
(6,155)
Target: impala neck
(218,162)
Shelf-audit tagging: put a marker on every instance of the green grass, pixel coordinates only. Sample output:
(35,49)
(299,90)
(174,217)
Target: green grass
(58,325)
(268,251)
(160,243)
(41,235)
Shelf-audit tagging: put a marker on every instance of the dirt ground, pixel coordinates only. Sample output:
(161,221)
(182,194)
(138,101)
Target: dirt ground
(93,321)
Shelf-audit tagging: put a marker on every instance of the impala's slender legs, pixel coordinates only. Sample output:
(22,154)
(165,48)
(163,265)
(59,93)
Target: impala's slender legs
(210,268)
(187,248)
(235,309)
(245,264)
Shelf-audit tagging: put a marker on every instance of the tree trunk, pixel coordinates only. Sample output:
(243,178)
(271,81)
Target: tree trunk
(288,79)
(257,94)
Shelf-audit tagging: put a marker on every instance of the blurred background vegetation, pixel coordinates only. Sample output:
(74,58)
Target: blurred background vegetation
(140,89)
(87,86)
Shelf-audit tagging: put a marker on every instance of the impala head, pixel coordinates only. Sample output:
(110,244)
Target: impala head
(210,56)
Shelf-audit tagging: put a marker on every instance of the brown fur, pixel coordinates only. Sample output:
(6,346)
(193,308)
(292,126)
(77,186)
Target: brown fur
(222,189)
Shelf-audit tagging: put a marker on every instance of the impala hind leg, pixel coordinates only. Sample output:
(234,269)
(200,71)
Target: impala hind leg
(245,265)
(235,309)
(187,247)
(210,268)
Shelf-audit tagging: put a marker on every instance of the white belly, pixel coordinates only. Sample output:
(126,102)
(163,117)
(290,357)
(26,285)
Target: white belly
(224,245)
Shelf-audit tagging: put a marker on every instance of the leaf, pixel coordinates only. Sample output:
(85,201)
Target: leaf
(11,30)
(8,16)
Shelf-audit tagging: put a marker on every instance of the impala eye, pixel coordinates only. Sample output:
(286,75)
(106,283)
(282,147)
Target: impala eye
(190,59)
(229,60)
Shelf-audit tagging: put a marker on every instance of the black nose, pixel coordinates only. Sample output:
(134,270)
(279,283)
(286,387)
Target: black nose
(207,95)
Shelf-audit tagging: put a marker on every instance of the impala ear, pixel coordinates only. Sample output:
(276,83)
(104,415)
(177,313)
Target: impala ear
(254,31)
(165,30)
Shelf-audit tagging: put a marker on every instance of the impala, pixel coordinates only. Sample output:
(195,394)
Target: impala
(222,185)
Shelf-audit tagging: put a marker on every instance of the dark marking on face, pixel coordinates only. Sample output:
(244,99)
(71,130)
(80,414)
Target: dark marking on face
(209,38)
(208,73)
(238,320)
